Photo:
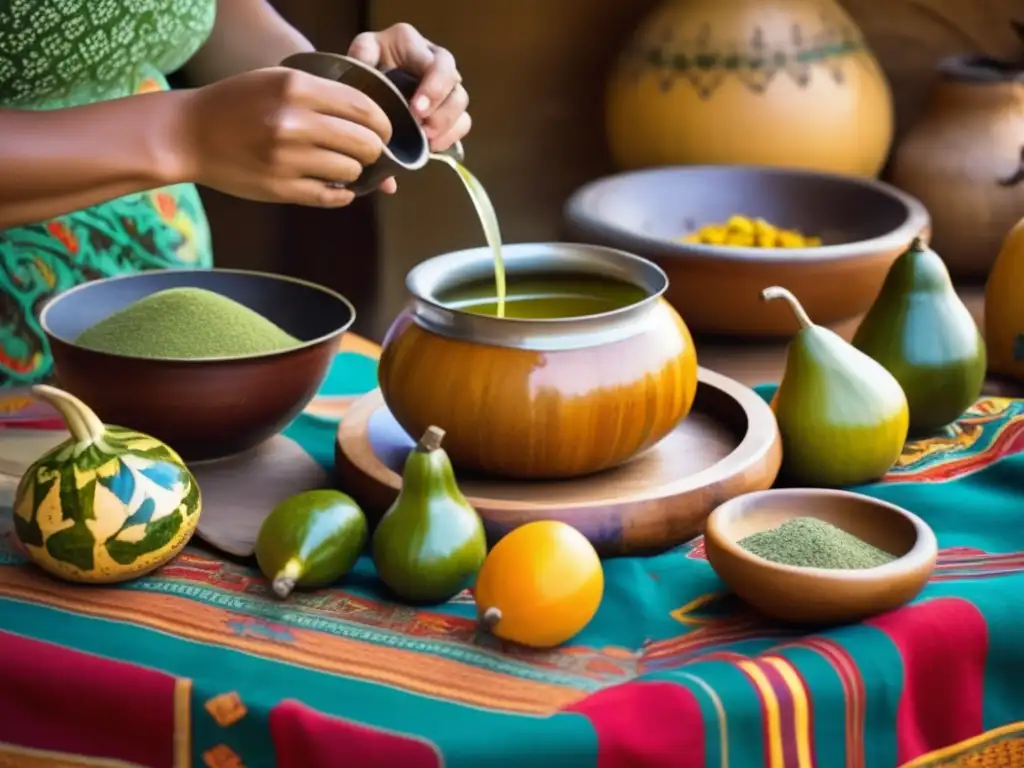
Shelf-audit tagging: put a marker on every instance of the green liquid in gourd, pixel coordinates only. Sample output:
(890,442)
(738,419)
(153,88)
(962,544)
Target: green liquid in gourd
(548,297)
(489,222)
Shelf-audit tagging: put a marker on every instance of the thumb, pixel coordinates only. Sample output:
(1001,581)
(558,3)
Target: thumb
(366,48)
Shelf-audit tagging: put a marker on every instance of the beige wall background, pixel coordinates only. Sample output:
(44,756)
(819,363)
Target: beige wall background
(536,71)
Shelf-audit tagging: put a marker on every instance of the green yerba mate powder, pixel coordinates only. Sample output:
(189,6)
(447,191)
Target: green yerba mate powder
(811,543)
(186,323)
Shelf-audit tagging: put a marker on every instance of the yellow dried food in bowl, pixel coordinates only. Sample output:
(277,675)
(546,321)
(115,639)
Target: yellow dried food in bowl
(741,231)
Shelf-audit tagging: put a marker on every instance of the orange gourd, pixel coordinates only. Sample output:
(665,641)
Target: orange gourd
(540,585)
(1004,307)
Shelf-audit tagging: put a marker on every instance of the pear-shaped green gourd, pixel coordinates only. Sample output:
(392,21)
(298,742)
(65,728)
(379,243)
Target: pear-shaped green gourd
(842,416)
(430,544)
(106,505)
(921,332)
(310,540)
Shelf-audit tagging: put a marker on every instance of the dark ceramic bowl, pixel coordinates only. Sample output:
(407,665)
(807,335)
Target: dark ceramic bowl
(864,226)
(207,408)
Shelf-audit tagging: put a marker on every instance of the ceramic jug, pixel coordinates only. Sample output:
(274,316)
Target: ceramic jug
(409,149)
(964,159)
(783,83)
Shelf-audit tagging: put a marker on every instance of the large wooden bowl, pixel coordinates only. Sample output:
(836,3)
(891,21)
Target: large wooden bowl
(820,595)
(550,398)
(206,408)
(864,225)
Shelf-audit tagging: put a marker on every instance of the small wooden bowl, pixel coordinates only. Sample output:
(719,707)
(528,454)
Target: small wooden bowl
(821,595)
(207,408)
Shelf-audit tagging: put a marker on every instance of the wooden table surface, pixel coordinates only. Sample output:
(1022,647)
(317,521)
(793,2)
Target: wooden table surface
(350,342)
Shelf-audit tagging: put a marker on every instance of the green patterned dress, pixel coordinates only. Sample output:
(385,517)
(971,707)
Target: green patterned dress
(62,53)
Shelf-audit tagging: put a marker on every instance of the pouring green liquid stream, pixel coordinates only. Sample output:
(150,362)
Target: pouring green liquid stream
(488,220)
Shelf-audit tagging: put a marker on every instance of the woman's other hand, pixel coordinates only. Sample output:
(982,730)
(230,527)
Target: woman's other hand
(281,135)
(440,101)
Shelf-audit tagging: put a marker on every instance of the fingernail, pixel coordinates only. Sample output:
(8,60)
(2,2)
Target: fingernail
(421,104)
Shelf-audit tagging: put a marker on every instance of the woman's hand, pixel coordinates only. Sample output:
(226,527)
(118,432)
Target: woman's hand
(440,102)
(281,135)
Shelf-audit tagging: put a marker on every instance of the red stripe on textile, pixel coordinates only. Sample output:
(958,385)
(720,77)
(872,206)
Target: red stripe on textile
(645,725)
(943,643)
(53,698)
(304,737)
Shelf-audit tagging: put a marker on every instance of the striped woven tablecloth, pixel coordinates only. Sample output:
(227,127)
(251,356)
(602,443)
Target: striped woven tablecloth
(199,665)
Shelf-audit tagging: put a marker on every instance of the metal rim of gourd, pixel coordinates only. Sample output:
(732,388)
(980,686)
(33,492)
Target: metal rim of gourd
(426,281)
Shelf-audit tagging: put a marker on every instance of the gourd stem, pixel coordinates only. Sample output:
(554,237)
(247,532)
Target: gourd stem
(917,244)
(83,424)
(778,292)
(490,617)
(282,586)
(431,440)
(286,579)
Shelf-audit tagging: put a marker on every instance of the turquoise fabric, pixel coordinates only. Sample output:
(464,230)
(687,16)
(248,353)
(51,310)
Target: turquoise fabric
(673,671)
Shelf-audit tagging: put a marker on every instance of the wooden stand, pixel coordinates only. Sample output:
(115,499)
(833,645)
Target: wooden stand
(728,445)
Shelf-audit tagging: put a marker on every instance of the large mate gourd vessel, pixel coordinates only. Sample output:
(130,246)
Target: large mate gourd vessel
(108,504)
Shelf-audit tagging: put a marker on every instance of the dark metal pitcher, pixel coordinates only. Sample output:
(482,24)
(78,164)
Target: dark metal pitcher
(409,149)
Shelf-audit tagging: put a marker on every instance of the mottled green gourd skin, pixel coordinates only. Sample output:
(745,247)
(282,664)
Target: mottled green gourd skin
(311,540)
(920,330)
(811,543)
(842,417)
(184,324)
(430,544)
(107,505)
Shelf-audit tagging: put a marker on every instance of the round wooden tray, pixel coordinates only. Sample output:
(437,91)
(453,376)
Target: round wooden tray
(728,445)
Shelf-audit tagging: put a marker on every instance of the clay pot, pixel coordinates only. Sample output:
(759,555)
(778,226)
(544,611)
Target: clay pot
(965,160)
(782,83)
(551,398)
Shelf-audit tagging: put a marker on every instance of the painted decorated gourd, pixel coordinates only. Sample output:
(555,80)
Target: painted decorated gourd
(706,82)
(109,504)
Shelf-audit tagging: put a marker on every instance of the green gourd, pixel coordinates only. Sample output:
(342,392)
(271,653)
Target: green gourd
(430,544)
(924,335)
(108,504)
(310,540)
(842,417)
